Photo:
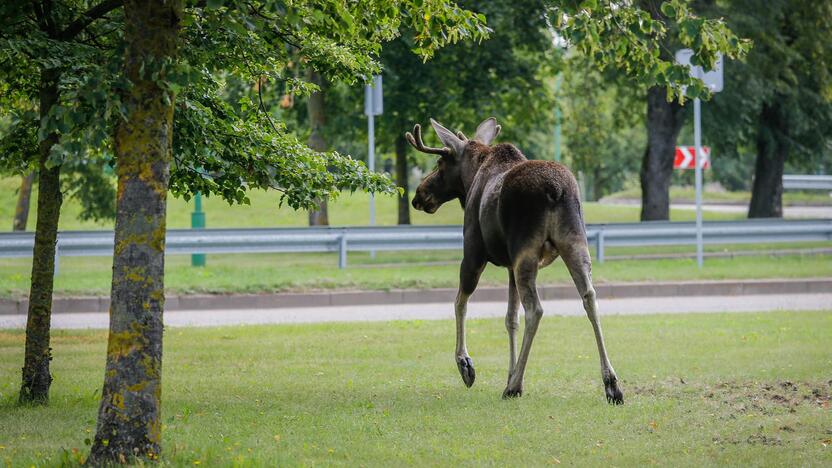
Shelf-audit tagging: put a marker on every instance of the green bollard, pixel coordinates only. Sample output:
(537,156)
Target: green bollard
(198,222)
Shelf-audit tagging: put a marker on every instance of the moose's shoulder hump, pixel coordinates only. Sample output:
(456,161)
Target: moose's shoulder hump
(507,152)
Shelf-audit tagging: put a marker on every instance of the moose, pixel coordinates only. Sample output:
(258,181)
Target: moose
(519,214)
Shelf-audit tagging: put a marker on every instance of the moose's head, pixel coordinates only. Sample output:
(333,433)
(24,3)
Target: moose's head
(446,181)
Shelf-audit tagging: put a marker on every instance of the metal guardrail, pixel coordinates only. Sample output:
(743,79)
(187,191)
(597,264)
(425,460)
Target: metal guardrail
(364,239)
(807,182)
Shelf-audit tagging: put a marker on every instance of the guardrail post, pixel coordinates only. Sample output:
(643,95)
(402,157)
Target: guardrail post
(599,246)
(342,251)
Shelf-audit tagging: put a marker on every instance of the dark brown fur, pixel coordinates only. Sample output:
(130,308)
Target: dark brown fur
(519,214)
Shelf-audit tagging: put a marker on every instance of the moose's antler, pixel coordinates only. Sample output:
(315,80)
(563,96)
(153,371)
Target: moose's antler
(415,139)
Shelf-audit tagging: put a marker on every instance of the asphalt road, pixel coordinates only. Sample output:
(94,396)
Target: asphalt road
(444,311)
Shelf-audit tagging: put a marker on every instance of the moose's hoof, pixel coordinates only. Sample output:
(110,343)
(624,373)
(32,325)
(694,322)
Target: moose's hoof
(466,370)
(614,395)
(510,392)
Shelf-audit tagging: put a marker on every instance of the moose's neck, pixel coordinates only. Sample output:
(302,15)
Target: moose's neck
(469,172)
(475,154)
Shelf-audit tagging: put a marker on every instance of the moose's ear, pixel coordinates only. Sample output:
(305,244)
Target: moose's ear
(448,138)
(487,131)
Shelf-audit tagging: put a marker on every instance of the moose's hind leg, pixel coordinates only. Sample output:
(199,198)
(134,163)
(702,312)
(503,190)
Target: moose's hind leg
(577,260)
(525,274)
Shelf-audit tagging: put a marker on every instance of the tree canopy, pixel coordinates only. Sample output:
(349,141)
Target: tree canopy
(219,148)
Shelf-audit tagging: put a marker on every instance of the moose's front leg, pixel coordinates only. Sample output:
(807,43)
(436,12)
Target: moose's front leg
(469,276)
(512,322)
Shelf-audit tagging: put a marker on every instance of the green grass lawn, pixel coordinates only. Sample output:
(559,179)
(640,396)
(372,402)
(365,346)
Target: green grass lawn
(253,273)
(349,209)
(679,194)
(700,390)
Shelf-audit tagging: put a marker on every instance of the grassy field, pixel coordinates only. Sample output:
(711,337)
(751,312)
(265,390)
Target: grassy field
(264,212)
(700,390)
(679,194)
(304,272)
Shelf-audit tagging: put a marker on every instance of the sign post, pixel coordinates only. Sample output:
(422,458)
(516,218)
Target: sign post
(373,106)
(713,80)
(697,162)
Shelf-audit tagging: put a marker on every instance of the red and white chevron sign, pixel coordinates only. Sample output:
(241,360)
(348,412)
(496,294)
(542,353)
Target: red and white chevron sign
(684,157)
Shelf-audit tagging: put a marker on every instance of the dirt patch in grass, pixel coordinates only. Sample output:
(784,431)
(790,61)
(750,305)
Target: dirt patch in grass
(737,400)
(745,395)
(764,397)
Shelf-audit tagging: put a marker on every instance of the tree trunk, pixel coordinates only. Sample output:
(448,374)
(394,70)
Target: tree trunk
(664,121)
(129,420)
(316,109)
(772,149)
(597,184)
(401,179)
(36,377)
(21,212)
(320,217)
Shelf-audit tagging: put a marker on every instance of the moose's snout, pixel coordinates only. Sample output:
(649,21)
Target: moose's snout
(426,204)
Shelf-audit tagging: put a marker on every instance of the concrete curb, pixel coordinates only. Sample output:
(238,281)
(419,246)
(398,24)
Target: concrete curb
(62,305)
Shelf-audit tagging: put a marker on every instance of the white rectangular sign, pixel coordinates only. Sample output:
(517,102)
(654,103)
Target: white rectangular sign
(712,79)
(373,99)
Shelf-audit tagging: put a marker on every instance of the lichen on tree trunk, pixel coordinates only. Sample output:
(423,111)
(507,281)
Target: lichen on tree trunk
(316,109)
(772,149)
(36,376)
(664,121)
(24,196)
(401,178)
(129,420)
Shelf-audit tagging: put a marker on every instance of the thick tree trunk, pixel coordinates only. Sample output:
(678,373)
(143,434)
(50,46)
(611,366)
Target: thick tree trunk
(21,212)
(316,109)
(401,179)
(36,376)
(320,217)
(129,420)
(664,121)
(772,149)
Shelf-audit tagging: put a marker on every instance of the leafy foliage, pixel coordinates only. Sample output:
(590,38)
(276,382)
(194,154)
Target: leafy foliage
(790,67)
(219,148)
(225,147)
(631,37)
(603,126)
(466,83)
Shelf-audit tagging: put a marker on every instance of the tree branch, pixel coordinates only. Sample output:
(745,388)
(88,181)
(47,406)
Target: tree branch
(88,17)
